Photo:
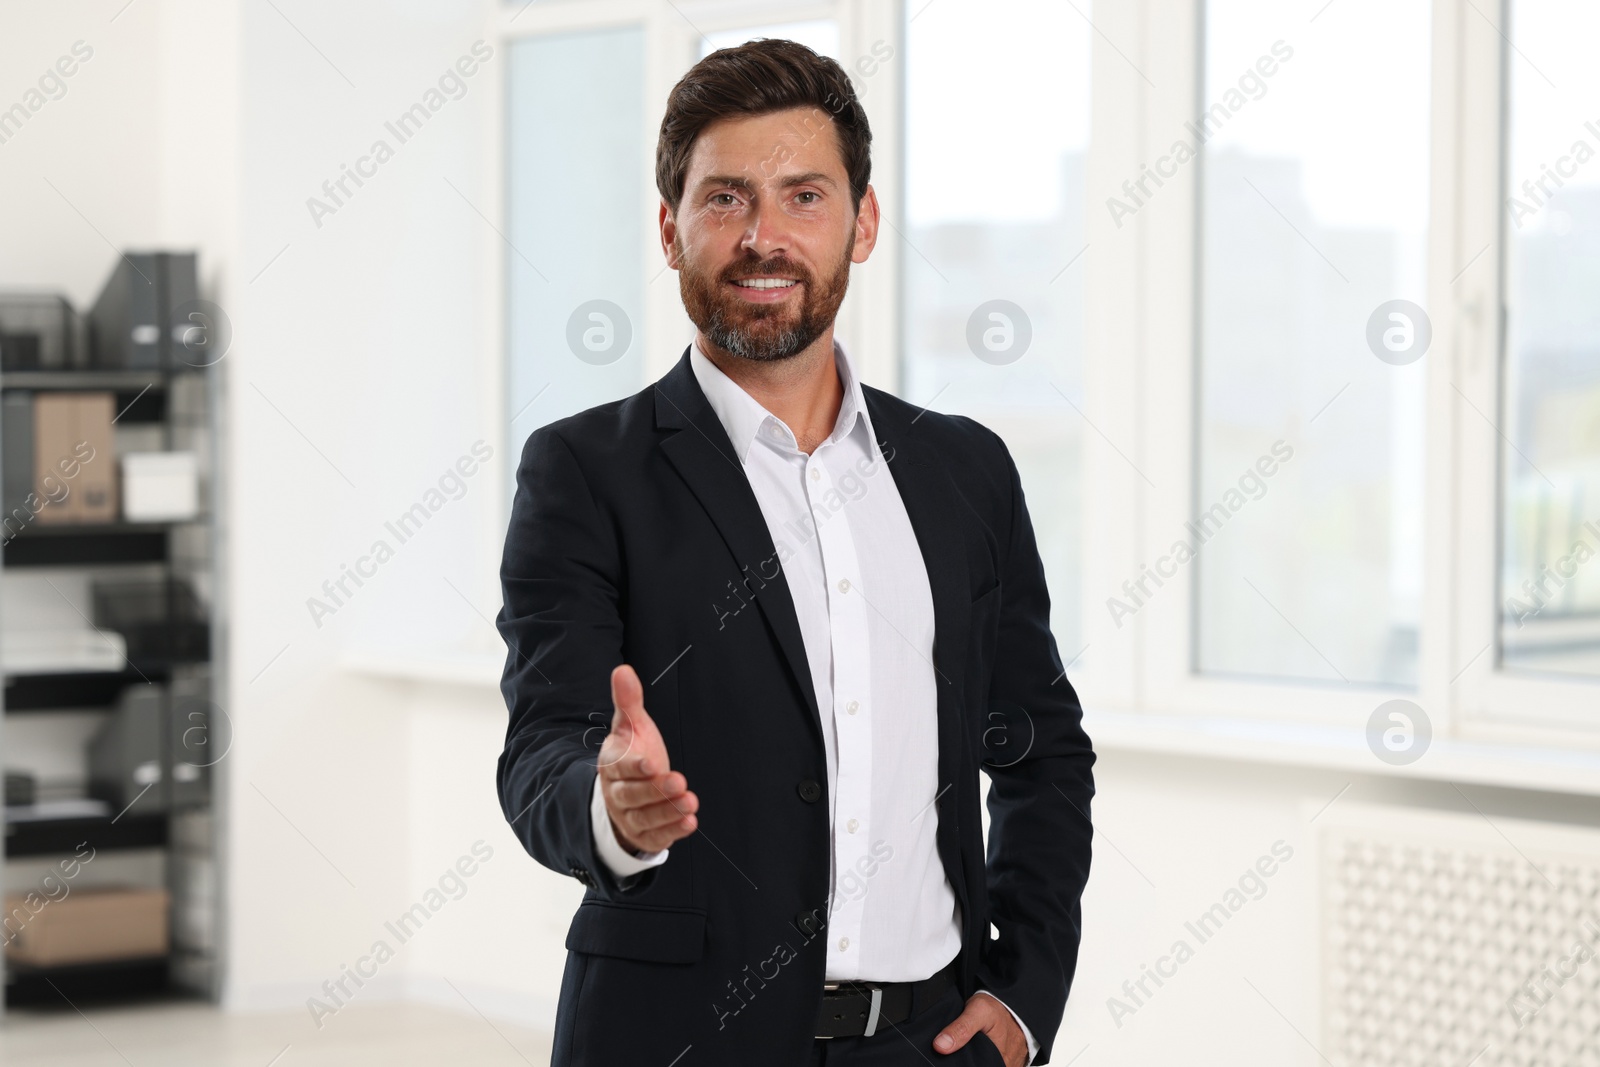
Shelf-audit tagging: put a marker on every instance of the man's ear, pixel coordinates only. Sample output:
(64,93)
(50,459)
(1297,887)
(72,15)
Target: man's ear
(867,222)
(669,232)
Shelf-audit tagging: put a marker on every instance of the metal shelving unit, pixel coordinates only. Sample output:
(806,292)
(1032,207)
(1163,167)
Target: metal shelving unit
(177,402)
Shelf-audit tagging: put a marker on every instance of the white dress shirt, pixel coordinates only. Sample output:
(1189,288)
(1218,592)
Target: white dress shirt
(860,588)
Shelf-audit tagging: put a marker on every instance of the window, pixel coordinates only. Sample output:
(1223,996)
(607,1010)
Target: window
(1314,225)
(1292,359)
(1550,461)
(993,268)
(575,149)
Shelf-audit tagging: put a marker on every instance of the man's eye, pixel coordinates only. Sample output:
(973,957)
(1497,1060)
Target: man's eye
(814,197)
(724,199)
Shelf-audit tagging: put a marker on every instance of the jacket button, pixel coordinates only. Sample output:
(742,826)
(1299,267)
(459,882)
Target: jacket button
(808,923)
(809,791)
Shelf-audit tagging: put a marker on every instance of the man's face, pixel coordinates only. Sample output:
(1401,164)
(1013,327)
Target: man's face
(765,233)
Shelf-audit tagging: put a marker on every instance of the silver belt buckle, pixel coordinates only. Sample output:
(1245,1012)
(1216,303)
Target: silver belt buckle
(873,1010)
(872,1013)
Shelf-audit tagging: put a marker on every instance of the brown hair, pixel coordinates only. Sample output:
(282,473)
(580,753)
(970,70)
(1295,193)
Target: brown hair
(758,78)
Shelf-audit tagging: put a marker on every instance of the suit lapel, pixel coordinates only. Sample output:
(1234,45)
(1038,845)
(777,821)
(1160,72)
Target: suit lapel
(704,456)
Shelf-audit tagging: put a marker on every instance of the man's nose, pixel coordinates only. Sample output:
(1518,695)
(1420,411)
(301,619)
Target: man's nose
(767,231)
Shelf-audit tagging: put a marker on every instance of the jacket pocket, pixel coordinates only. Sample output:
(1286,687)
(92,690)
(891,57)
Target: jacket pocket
(638,932)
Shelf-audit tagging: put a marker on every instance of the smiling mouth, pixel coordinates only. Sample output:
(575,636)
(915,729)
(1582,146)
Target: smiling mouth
(766,283)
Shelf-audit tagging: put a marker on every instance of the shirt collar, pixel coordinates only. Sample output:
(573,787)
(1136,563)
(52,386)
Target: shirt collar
(743,417)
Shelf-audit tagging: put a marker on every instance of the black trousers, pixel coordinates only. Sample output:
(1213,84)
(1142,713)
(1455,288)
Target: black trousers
(909,1044)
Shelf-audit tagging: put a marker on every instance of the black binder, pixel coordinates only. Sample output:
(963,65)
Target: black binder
(135,322)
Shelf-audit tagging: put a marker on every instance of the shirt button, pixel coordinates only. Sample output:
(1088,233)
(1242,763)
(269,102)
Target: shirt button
(844,585)
(852,707)
(852,826)
(844,943)
(816,475)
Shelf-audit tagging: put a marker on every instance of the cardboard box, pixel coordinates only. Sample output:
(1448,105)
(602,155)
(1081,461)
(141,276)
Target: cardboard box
(16,456)
(86,926)
(72,447)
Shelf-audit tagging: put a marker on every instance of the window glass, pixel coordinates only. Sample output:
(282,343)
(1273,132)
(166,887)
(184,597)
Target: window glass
(575,218)
(1307,531)
(1550,461)
(993,251)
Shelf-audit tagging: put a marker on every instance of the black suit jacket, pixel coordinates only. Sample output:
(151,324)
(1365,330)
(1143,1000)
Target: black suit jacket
(635,537)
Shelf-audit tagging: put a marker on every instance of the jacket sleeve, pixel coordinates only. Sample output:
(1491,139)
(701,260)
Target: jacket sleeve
(1039,829)
(560,578)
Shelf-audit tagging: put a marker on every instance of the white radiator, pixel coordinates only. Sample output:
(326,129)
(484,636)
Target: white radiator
(1458,940)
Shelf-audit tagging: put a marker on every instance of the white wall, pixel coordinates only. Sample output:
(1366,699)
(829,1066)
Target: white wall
(362,367)
(365,368)
(1172,835)
(93,145)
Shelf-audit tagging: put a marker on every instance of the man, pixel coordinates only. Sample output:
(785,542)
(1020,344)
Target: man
(829,612)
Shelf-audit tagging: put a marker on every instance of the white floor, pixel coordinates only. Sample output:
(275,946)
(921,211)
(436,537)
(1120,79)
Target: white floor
(197,1035)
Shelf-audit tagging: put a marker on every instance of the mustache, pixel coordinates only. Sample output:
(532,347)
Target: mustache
(778,267)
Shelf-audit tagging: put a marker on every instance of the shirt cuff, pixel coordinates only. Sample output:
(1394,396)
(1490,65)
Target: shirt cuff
(617,859)
(1033,1046)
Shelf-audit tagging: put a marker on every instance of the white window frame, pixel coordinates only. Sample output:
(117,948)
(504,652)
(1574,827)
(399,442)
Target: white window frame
(1490,699)
(1147,282)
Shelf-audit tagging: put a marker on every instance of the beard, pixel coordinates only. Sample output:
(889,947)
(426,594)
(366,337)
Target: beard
(762,333)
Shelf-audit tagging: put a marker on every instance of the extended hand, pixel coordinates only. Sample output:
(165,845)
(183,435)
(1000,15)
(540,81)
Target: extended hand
(649,803)
(985,1013)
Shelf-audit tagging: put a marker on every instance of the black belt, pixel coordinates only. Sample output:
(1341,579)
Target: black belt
(858,1009)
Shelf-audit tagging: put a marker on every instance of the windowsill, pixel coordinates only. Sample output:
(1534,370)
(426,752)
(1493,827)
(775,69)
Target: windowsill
(474,668)
(1547,769)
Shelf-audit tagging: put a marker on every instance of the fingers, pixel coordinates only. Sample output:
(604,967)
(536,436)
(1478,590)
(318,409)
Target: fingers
(960,1030)
(652,813)
(656,840)
(983,1012)
(657,826)
(639,792)
(660,816)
